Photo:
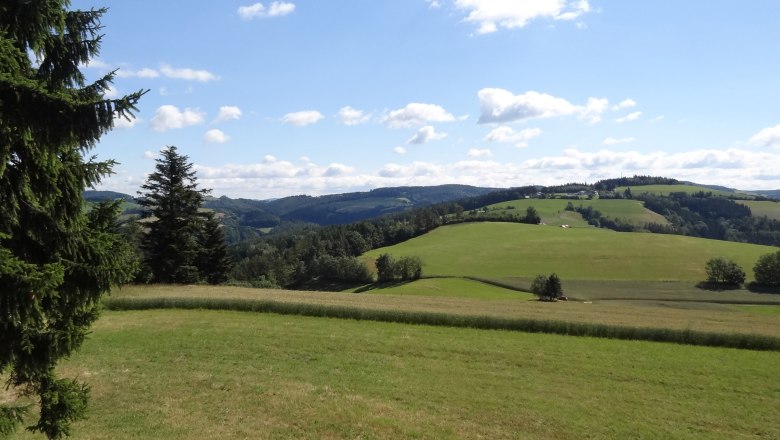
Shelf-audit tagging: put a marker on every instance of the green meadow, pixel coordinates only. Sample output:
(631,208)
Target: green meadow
(764,208)
(230,375)
(553,211)
(664,190)
(498,250)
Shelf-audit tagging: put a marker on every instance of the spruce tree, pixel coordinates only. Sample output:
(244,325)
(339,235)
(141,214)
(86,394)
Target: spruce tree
(172,201)
(55,260)
(213,261)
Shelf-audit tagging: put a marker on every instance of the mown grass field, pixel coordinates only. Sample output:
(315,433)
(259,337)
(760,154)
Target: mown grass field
(553,211)
(645,313)
(496,250)
(664,190)
(763,208)
(445,287)
(230,375)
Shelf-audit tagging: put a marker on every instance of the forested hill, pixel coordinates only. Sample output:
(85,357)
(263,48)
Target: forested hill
(322,210)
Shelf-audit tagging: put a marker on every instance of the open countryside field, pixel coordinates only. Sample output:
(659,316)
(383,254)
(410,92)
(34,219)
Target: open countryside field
(663,190)
(233,375)
(449,299)
(767,209)
(553,211)
(496,250)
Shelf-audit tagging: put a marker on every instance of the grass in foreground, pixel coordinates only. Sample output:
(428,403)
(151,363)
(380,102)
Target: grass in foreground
(228,375)
(715,318)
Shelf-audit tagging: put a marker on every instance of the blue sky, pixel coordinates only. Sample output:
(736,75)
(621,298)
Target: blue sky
(279,98)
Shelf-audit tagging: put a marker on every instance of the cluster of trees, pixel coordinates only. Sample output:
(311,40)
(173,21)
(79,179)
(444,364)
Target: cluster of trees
(636,180)
(594,217)
(547,288)
(56,260)
(403,269)
(725,272)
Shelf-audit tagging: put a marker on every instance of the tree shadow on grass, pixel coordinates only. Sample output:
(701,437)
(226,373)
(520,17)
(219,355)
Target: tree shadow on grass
(717,287)
(380,286)
(760,288)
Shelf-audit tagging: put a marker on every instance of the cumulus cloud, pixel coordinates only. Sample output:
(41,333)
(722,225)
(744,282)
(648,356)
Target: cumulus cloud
(616,141)
(146,73)
(151,154)
(302,118)
(187,74)
(125,122)
(768,137)
(168,117)
(433,3)
(502,106)
(415,114)
(425,135)
(399,150)
(626,103)
(337,169)
(352,116)
(258,10)
(629,117)
(227,113)
(480,153)
(215,136)
(507,134)
(491,15)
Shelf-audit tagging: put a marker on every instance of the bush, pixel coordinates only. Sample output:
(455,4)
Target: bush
(724,271)
(547,288)
(767,270)
(405,269)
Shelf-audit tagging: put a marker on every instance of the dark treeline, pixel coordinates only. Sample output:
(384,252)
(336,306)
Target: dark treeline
(704,215)
(611,184)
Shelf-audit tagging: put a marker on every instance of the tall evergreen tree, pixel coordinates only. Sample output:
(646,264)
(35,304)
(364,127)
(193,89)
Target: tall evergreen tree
(55,260)
(213,261)
(173,246)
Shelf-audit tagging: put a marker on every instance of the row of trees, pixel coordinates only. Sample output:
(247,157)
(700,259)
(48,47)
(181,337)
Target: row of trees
(766,272)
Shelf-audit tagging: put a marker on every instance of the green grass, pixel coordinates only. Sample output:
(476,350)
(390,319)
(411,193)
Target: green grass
(445,287)
(496,250)
(229,375)
(664,190)
(763,208)
(553,211)
(675,315)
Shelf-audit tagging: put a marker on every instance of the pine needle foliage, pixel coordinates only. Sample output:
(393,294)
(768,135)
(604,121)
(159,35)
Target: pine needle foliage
(56,261)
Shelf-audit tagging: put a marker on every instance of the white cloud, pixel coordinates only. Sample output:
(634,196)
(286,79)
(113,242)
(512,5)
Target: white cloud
(415,114)
(96,63)
(351,116)
(151,154)
(187,74)
(626,103)
(399,150)
(167,117)
(425,135)
(215,136)
(657,119)
(629,117)
(227,113)
(768,137)
(337,169)
(258,10)
(507,134)
(616,141)
(480,153)
(501,106)
(143,73)
(490,15)
(302,118)
(125,123)
(433,3)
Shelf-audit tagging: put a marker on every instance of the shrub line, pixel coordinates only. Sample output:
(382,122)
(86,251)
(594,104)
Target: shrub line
(686,336)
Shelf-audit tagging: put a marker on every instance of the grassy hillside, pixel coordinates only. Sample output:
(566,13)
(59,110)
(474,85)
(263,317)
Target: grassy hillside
(494,250)
(446,287)
(763,208)
(231,375)
(663,190)
(553,211)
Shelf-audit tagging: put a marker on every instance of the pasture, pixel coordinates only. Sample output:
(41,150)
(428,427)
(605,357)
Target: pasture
(172,374)
(498,250)
(767,209)
(664,190)
(553,211)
